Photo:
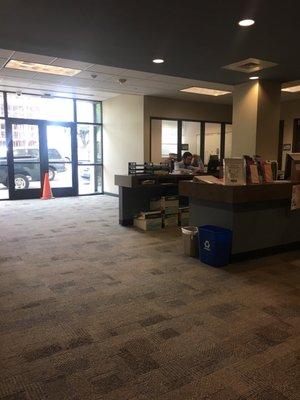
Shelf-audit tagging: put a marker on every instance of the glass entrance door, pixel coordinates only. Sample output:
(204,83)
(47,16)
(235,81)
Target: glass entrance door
(24,159)
(37,147)
(60,141)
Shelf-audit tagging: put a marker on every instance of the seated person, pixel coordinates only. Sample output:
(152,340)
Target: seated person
(197,162)
(185,165)
(171,159)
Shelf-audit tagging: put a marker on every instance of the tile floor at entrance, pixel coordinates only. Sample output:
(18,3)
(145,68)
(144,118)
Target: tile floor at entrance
(92,310)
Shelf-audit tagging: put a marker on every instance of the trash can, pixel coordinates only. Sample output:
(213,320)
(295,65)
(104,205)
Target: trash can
(214,245)
(190,240)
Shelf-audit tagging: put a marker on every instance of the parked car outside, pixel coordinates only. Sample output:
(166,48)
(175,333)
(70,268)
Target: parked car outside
(27,167)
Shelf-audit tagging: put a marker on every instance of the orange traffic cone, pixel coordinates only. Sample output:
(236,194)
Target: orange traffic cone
(47,192)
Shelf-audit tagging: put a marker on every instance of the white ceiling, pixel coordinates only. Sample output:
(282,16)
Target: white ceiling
(100,82)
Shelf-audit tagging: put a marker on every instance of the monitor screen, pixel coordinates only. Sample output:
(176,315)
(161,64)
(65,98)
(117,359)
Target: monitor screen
(213,163)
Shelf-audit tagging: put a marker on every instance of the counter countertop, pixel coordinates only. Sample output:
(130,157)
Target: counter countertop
(281,190)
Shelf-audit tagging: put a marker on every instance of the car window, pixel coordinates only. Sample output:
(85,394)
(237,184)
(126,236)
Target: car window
(20,153)
(53,154)
(33,152)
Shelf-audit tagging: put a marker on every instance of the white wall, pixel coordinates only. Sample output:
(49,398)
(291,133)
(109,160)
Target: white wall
(244,119)
(123,136)
(256,110)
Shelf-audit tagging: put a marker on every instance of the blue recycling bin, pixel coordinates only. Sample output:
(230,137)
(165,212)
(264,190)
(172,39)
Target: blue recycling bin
(214,245)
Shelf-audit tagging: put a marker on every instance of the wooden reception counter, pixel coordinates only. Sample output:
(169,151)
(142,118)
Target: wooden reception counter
(260,216)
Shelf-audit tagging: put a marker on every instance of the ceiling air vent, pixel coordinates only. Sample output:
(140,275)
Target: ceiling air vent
(250,65)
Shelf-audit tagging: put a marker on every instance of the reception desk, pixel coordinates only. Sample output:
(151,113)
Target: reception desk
(260,216)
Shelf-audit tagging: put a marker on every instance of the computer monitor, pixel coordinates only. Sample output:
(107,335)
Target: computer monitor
(213,163)
(292,167)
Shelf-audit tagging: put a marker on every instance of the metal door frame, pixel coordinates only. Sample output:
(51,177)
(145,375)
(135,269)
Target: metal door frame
(15,194)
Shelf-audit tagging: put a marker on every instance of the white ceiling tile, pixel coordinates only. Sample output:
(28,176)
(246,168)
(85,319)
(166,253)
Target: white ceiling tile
(138,74)
(85,75)
(106,81)
(113,79)
(39,76)
(44,86)
(62,62)
(2,62)
(73,81)
(6,53)
(19,82)
(106,69)
(16,72)
(35,58)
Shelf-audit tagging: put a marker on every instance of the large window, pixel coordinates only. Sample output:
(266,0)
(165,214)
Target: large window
(88,111)
(164,139)
(202,138)
(59,135)
(191,137)
(1,105)
(3,162)
(89,145)
(38,107)
(212,140)
(168,138)
(228,140)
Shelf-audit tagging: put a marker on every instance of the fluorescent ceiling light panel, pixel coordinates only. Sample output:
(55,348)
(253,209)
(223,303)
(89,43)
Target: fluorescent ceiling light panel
(43,68)
(292,89)
(206,91)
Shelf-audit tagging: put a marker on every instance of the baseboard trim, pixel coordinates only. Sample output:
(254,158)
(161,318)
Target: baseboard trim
(111,194)
(269,251)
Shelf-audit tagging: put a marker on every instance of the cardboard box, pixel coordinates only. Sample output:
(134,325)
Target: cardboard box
(170,204)
(166,204)
(148,221)
(156,204)
(170,220)
(183,216)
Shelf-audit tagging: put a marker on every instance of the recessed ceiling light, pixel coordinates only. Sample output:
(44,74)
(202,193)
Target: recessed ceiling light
(292,89)
(246,22)
(206,91)
(44,68)
(158,61)
(254,77)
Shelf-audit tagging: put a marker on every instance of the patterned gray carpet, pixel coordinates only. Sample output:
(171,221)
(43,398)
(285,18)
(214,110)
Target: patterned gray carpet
(92,310)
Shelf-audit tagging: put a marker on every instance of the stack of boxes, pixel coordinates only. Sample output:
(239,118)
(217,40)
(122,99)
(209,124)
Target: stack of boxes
(168,205)
(164,212)
(148,221)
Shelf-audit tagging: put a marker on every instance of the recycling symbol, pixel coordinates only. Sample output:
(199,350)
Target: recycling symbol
(207,245)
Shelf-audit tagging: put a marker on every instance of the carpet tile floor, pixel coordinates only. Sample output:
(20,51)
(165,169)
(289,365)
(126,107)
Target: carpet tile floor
(92,310)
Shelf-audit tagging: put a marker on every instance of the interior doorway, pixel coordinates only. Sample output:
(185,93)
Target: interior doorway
(296,136)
